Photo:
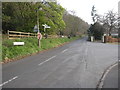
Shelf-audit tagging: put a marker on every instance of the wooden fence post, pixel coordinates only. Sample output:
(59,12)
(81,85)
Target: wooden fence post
(28,34)
(35,35)
(20,35)
(8,34)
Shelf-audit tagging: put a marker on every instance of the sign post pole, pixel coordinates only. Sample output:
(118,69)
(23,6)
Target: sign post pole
(39,38)
(39,34)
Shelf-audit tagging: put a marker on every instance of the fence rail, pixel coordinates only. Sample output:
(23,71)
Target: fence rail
(18,35)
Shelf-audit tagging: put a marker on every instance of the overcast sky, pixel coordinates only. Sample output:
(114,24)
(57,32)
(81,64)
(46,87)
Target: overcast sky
(83,7)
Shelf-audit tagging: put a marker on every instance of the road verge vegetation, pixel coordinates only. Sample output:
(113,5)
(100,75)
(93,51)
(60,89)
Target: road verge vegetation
(11,52)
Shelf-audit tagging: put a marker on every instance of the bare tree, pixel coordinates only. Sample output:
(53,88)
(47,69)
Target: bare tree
(110,22)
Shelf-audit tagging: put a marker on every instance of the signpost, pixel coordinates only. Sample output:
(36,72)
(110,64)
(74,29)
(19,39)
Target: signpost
(45,26)
(36,28)
(39,35)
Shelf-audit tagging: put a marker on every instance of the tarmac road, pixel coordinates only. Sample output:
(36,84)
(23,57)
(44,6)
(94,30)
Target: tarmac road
(111,79)
(79,64)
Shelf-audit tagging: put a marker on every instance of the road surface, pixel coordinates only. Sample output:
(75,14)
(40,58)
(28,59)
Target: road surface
(79,64)
(111,79)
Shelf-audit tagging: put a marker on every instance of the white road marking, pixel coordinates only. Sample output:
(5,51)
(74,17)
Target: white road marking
(66,60)
(64,50)
(8,81)
(100,85)
(46,60)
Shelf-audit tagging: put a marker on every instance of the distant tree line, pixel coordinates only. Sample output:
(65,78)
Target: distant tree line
(22,16)
(74,25)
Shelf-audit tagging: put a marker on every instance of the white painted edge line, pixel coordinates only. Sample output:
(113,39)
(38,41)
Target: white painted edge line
(105,74)
(8,81)
(46,60)
(64,50)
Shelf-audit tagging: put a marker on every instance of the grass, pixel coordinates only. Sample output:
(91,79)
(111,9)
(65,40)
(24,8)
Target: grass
(31,46)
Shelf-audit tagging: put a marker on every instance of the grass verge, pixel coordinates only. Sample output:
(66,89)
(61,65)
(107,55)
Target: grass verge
(10,52)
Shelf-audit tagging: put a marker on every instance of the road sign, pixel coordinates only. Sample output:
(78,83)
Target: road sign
(46,26)
(35,28)
(39,36)
(18,43)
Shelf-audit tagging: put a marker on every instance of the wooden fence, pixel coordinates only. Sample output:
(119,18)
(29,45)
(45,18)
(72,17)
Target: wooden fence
(18,35)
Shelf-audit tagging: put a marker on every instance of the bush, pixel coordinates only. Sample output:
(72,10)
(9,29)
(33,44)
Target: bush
(96,30)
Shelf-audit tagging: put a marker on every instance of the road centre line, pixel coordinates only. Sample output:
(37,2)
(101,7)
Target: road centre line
(8,81)
(51,58)
(64,50)
(46,60)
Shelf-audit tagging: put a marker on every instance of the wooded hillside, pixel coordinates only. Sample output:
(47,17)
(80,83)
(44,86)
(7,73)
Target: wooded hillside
(22,16)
